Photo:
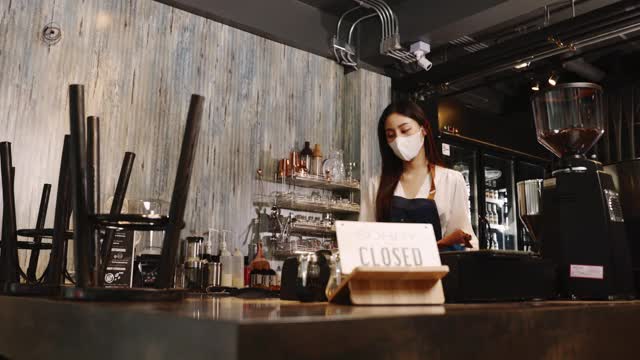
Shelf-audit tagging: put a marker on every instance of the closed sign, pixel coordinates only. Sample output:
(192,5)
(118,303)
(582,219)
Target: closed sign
(386,245)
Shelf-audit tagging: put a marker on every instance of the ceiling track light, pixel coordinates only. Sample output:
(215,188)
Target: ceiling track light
(553,79)
(535,86)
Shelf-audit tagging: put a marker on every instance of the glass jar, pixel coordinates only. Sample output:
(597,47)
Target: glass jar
(333,167)
(149,242)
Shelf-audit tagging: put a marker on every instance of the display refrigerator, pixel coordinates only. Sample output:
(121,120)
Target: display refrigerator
(491,173)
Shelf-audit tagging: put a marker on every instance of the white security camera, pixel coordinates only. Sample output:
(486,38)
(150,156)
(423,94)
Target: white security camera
(420,49)
(424,62)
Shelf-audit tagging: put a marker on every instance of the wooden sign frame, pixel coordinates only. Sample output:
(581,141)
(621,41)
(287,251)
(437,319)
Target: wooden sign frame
(392,286)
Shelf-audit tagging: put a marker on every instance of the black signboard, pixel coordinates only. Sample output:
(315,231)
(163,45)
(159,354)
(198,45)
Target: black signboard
(119,272)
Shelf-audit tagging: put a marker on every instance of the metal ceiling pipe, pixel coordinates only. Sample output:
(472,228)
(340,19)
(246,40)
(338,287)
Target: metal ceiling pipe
(356,23)
(547,54)
(343,17)
(585,24)
(496,57)
(383,18)
(390,15)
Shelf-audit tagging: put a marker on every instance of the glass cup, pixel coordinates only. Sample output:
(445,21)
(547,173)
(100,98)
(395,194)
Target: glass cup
(149,242)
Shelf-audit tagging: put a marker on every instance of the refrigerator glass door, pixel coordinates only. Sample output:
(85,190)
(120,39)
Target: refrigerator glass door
(464,160)
(500,203)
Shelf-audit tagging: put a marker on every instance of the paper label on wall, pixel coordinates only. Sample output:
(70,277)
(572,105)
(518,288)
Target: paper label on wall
(386,245)
(446,149)
(586,272)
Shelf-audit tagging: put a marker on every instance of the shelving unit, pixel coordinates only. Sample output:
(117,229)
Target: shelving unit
(318,207)
(318,182)
(321,205)
(311,230)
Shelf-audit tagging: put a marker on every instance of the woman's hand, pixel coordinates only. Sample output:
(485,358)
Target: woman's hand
(456,237)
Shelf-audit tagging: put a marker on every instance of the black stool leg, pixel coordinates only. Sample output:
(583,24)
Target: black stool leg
(116,207)
(82,229)
(9,256)
(61,219)
(171,241)
(42,215)
(93,188)
(93,163)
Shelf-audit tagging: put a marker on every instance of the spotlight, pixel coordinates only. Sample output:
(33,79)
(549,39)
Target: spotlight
(522,65)
(535,86)
(553,79)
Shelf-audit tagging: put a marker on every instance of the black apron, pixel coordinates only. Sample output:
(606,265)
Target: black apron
(420,211)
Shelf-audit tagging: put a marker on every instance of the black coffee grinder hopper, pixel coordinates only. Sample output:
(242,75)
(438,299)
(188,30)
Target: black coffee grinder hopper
(582,228)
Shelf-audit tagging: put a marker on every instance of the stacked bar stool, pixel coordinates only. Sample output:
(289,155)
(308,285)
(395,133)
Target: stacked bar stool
(10,271)
(91,257)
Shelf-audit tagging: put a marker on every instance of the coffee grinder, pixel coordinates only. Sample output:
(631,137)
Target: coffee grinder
(583,230)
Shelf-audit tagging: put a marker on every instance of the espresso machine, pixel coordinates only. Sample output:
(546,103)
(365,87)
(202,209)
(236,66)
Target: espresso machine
(582,225)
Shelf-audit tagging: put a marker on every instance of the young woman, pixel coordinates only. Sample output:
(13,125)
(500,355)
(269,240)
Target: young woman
(413,186)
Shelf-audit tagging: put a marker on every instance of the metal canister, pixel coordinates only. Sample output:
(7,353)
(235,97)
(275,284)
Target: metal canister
(214,274)
(179,280)
(193,274)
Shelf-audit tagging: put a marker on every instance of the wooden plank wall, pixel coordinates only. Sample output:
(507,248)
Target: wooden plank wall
(140,61)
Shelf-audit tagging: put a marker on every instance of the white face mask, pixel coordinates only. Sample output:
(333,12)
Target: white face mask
(408,147)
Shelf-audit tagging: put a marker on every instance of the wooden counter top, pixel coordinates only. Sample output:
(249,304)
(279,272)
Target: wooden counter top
(230,328)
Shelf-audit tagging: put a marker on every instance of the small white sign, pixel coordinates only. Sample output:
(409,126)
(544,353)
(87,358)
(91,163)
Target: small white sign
(446,149)
(385,245)
(586,272)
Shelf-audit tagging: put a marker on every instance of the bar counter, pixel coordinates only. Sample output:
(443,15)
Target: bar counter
(229,328)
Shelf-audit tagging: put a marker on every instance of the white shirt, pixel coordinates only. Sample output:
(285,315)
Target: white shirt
(451,199)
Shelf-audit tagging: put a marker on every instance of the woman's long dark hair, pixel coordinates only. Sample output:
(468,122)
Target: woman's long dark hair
(391,164)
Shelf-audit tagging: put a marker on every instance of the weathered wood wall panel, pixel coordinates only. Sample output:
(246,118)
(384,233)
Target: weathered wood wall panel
(366,95)
(140,61)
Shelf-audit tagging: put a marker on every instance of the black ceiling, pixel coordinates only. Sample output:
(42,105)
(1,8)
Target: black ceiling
(338,7)
(310,24)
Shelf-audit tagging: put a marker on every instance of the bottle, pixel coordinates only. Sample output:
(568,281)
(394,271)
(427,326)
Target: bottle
(271,280)
(260,262)
(294,159)
(247,272)
(259,267)
(279,277)
(212,246)
(207,248)
(316,161)
(227,269)
(489,214)
(305,156)
(237,269)
(256,278)
(505,206)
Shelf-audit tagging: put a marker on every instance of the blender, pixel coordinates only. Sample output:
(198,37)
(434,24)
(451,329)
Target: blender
(583,230)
